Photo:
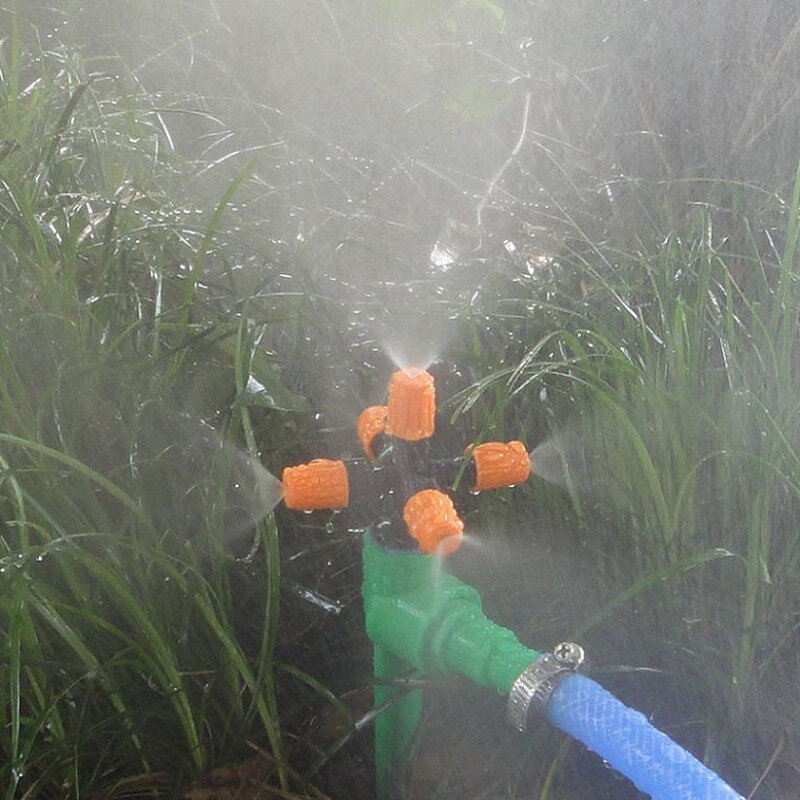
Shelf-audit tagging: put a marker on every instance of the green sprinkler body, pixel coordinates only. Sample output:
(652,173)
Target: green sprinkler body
(425,621)
(422,621)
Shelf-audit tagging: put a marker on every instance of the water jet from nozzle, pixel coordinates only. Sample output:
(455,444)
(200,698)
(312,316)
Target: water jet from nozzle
(560,460)
(217,482)
(251,490)
(409,359)
(265,490)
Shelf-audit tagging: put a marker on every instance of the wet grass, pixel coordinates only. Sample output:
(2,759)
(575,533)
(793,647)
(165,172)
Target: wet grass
(124,648)
(151,354)
(672,394)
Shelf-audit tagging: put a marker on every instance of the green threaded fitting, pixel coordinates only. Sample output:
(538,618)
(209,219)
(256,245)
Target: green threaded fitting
(435,622)
(468,642)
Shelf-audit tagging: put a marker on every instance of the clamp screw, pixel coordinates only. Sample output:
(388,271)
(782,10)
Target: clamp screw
(569,655)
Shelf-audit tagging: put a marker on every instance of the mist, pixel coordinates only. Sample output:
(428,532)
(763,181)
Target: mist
(225,223)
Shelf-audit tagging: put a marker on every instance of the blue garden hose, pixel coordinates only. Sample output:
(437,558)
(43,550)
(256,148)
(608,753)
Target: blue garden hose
(626,740)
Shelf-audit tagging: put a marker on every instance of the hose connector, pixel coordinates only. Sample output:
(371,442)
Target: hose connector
(532,689)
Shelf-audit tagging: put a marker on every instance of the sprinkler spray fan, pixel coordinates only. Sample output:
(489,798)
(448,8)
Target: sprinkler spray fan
(412,486)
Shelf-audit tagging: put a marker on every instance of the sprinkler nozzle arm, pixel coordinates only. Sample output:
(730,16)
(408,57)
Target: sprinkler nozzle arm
(411,407)
(500,464)
(433,522)
(370,425)
(319,484)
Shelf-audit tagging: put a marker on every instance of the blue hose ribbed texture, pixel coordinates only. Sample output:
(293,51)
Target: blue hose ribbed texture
(628,742)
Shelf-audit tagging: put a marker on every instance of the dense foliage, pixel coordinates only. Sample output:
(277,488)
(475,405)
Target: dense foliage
(208,263)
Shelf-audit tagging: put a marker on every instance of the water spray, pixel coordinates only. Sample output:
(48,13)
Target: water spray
(423,621)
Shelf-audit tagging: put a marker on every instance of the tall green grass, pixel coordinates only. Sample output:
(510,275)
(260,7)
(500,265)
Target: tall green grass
(123,649)
(675,381)
(139,599)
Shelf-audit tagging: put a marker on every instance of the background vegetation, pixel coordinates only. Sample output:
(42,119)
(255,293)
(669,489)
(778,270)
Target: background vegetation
(216,224)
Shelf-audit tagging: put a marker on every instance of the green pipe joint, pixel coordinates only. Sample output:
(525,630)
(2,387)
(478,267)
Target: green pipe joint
(434,622)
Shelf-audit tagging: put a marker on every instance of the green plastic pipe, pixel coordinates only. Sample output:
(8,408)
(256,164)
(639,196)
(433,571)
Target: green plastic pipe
(423,619)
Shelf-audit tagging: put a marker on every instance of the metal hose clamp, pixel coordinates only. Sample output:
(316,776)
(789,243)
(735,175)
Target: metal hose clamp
(532,689)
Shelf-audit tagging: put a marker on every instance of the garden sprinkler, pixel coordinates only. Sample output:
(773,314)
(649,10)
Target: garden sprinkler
(426,622)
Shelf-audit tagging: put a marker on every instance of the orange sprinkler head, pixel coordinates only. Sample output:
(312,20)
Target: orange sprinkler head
(433,521)
(500,464)
(412,405)
(371,422)
(319,484)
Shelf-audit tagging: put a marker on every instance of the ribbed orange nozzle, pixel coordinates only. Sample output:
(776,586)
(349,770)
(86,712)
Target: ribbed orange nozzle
(371,422)
(500,464)
(319,484)
(434,522)
(412,405)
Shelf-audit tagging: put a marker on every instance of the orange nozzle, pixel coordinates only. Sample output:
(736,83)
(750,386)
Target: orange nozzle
(371,421)
(319,484)
(412,405)
(434,522)
(500,464)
